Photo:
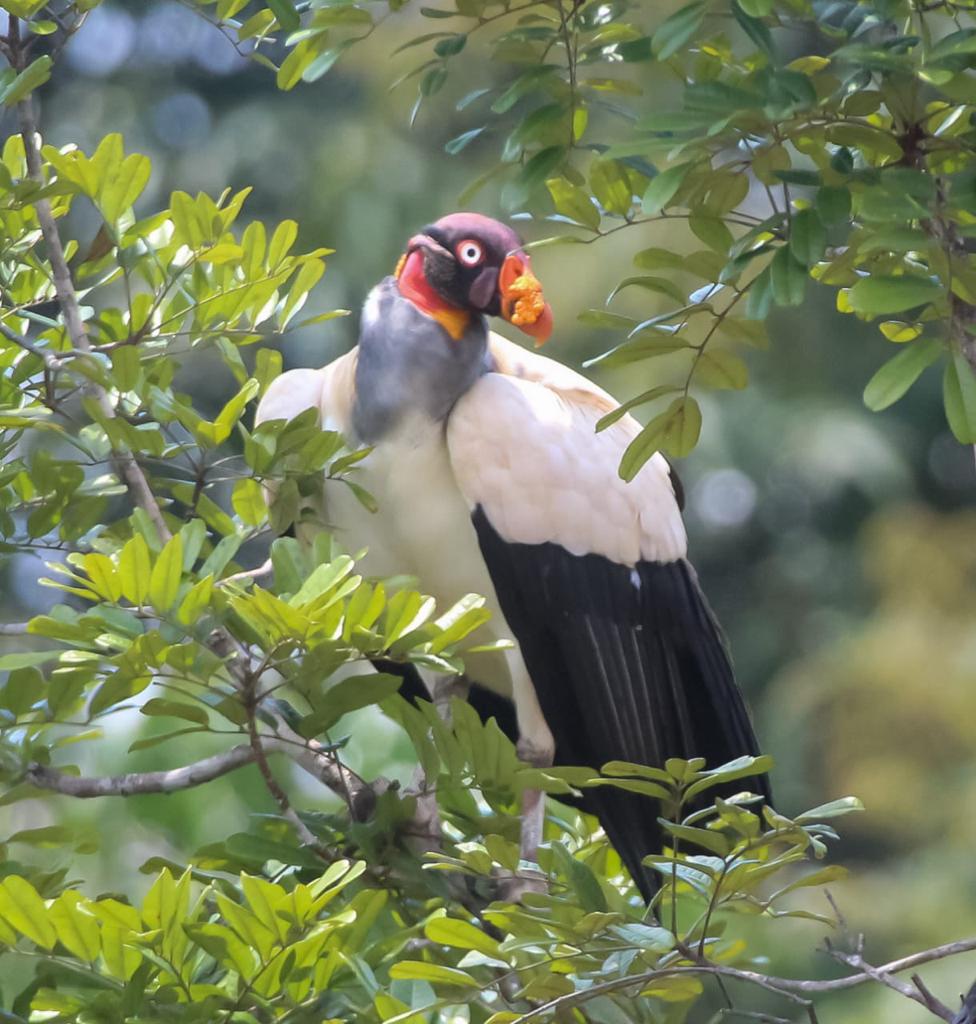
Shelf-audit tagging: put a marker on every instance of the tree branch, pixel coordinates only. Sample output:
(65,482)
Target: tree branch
(792,988)
(272,785)
(264,569)
(359,795)
(170,781)
(128,469)
(917,994)
(50,360)
(313,757)
(967,1014)
(307,754)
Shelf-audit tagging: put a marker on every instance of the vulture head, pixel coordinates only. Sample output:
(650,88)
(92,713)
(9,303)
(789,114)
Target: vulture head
(466,264)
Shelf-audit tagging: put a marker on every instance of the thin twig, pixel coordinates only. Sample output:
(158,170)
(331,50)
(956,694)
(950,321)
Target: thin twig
(50,360)
(967,1012)
(931,1001)
(264,569)
(280,797)
(882,977)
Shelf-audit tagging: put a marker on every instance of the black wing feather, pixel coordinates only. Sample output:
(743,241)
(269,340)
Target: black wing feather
(628,664)
(486,702)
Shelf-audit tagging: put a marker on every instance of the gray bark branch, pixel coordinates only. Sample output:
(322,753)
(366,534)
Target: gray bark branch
(791,988)
(359,795)
(170,781)
(128,469)
(307,754)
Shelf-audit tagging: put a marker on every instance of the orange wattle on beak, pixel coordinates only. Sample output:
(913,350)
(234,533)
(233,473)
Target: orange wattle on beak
(522,302)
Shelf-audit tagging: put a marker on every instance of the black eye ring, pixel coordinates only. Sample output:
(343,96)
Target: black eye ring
(470,252)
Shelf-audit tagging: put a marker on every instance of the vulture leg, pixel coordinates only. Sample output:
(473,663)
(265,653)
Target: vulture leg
(533,805)
(536,747)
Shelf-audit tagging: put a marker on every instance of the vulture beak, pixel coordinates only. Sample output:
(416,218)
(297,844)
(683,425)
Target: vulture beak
(428,243)
(521,298)
(418,244)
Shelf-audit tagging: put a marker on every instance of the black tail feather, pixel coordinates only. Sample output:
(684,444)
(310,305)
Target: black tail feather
(629,664)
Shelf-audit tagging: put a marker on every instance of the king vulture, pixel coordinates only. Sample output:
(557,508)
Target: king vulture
(490,479)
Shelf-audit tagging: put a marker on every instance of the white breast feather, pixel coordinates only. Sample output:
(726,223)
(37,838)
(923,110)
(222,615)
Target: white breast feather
(531,458)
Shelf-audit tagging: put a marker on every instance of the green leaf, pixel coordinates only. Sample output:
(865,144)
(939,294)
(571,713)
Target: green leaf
(433,81)
(676,30)
(248,501)
(603,318)
(573,202)
(900,372)
(787,278)
(22,908)
(674,989)
(879,293)
(660,285)
(349,695)
(122,186)
(233,410)
(284,11)
(719,369)
(642,399)
(744,767)
(712,231)
(582,879)
(676,429)
(159,707)
(808,238)
(522,86)
(831,873)
(135,569)
(390,1008)
(833,809)
(450,932)
(418,970)
(834,205)
(164,582)
(459,142)
(959,396)
(751,24)
(532,175)
(611,186)
(899,332)
(260,849)
(77,930)
(658,259)
(451,45)
(25,659)
(34,75)
(714,842)
(663,187)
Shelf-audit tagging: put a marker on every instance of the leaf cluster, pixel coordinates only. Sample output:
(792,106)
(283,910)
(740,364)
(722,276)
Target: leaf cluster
(852,165)
(284,939)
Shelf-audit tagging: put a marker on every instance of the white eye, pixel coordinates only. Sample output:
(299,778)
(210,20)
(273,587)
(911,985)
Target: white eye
(470,252)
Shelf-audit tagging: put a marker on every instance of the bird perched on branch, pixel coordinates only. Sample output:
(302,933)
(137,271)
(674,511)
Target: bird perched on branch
(490,478)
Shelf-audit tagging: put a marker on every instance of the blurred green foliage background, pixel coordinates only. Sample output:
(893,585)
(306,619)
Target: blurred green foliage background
(837,545)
